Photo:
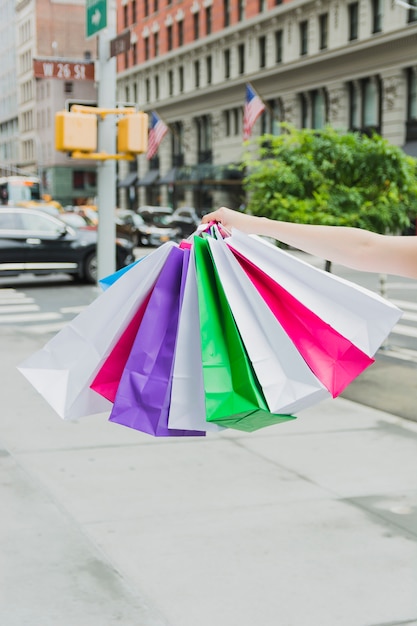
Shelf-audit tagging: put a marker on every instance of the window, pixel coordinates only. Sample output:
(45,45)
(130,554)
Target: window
(180,33)
(197,73)
(146,44)
(170,82)
(208,20)
(354,107)
(377,8)
(209,70)
(412,13)
(196,24)
(155,6)
(353,10)
(272,117)
(411,128)
(169,37)
(319,108)
(177,144)
(370,103)
(241,58)
(148,89)
(365,105)
(261,5)
(226,13)
(156,44)
(323,30)
(68,87)
(134,12)
(278,46)
(126,15)
(181,78)
(226,56)
(304,110)
(135,54)
(204,139)
(231,122)
(156,87)
(240,10)
(412,94)
(146,7)
(304,37)
(262,51)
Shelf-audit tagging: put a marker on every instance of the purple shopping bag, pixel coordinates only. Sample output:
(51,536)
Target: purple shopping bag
(143,396)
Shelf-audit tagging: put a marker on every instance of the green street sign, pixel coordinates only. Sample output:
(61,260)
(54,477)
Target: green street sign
(96,16)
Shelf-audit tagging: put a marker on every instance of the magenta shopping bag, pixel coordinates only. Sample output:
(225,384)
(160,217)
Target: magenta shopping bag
(108,377)
(143,395)
(335,360)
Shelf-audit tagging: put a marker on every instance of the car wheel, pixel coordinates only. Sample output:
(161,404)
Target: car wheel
(90,268)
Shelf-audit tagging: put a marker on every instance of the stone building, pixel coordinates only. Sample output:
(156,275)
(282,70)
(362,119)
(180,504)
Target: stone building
(47,64)
(351,64)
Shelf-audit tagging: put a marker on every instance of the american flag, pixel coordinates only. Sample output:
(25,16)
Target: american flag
(157,131)
(252,110)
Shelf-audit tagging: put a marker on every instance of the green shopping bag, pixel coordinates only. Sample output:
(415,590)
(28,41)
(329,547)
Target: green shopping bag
(233,395)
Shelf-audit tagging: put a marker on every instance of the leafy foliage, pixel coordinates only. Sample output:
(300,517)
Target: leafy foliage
(326,177)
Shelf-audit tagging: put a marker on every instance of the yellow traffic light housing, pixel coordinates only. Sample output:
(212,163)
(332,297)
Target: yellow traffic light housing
(132,133)
(75,131)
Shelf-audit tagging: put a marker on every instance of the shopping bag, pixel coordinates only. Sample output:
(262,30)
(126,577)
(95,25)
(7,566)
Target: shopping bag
(187,408)
(233,396)
(335,360)
(143,395)
(108,377)
(360,315)
(287,382)
(64,368)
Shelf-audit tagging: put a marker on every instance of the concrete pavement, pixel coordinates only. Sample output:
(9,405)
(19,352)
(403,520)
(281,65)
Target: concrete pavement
(308,523)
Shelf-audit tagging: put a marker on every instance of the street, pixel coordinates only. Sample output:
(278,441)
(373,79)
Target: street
(308,523)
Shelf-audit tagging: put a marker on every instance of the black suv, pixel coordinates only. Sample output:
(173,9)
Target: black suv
(33,242)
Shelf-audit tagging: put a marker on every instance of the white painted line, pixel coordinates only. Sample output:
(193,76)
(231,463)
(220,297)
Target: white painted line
(17,309)
(33,317)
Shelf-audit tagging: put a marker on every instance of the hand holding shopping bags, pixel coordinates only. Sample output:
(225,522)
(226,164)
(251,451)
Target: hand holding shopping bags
(216,333)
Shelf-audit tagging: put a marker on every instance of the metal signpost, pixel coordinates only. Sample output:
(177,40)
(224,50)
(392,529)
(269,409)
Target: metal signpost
(101,20)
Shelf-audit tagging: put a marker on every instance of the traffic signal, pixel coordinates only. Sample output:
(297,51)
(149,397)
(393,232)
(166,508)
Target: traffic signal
(75,131)
(132,133)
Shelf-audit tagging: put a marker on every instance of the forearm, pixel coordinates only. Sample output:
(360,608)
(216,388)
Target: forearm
(353,247)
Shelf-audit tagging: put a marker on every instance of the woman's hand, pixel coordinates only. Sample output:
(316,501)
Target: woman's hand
(232,219)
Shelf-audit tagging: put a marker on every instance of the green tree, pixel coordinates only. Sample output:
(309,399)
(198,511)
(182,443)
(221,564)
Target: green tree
(329,177)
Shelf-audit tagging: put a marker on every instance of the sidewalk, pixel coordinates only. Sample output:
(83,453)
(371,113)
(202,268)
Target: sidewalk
(308,523)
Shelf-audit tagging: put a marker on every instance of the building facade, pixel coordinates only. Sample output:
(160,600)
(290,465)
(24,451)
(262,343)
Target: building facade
(47,63)
(313,62)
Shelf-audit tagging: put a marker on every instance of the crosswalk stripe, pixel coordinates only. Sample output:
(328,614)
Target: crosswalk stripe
(17,309)
(402,329)
(405,305)
(29,317)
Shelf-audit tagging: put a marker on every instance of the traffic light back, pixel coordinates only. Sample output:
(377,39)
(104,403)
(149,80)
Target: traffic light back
(132,133)
(75,131)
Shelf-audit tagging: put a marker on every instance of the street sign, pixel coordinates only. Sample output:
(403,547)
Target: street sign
(96,16)
(120,44)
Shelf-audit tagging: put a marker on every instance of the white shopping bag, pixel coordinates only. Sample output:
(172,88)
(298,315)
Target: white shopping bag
(64,368)
(187,407)
(287,382)
(360,315)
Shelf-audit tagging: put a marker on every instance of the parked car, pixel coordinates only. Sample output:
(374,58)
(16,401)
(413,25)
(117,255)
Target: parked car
(157,215)
(146,233)
(185,219)
(34,242)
